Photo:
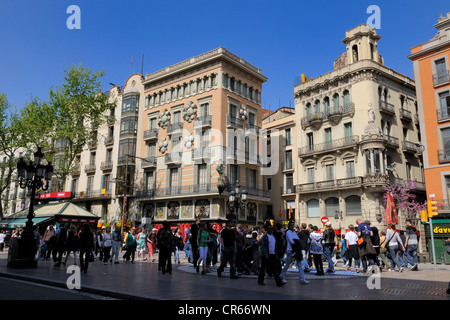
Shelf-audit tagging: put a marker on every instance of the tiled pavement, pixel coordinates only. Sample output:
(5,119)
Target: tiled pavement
(142,280)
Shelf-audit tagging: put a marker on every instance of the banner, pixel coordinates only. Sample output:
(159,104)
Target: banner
(393,208)
(388,209)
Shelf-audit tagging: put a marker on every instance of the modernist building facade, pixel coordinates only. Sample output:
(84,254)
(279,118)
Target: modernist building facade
(201,124)
(357,132)
(431,73)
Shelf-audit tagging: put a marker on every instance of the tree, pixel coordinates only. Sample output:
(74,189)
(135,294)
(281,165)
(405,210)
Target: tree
(404,198)
(68,120)
(12,140)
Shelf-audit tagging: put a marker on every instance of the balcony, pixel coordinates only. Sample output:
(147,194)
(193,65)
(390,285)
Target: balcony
(201,122)
(189,190)
(250,127)
(443,115)
(201,153)
(173,158)
(328,185)
(329,146)
(76,170)
(92,195)
(391,142)
(314,119)
(109,140)
(334,114)
(375,181)
(412,147)
(151,134)
(175,127)
(440,79)
(106,165)
(444,155)
(148,162)
(89,168)
(405,115)
(287,190)
(233,122)
(387,108)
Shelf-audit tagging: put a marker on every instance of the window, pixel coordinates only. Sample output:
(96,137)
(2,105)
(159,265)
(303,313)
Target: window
(287,137)
(311,173)
(330,172)
(127,146)
(447,181)
(173,178)
(92,160)
(331,205)
(269,184)
(408,170)
(233,173)
(328,138)
(90,185)
(346,101)
(288,158)
(350,168)
(353,205)
(149,182)
(177,117)
(204,110)
(74,185)
(153,123)
(313,208)
(201,174)
(445,107)
(368,158)
(336,101)
(317,106)
(252,179)
(128,126)
(233,111)
(308,110)
(105,183)
(108,155)
(252,118)
(150,149)
(130,104)
(446,138)
(310,142)
(441,71)
(348,131)
(376,160)
(326,105)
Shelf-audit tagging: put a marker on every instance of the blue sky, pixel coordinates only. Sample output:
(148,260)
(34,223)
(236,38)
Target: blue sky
(283,38)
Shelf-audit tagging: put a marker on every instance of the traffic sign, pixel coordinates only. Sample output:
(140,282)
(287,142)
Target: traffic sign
(324,220)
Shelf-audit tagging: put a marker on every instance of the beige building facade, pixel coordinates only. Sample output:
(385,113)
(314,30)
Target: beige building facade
(357,132)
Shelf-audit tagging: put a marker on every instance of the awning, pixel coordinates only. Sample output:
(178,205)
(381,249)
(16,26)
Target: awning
(20,223)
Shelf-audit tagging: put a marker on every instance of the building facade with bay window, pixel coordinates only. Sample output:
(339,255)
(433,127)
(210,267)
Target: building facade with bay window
(357,132)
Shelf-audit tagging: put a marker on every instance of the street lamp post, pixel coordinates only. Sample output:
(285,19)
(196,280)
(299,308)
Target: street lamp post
(23,250)
(237,200)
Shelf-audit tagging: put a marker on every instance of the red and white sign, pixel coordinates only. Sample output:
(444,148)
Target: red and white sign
(54,195)
(324,220)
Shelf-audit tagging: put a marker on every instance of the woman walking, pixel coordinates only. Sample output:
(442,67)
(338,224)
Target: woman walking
(383,251)
(151,243)
(106,246)
(141,239)
(316,249)
(202,242)
(86,247)
(131,246)
(178,246)
(351,239)
(394,242)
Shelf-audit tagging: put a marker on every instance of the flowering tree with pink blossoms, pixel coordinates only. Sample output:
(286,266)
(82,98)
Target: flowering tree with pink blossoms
(404,199)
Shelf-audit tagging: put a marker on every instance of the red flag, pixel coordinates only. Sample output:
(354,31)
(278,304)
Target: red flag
(389,208)
(393,208)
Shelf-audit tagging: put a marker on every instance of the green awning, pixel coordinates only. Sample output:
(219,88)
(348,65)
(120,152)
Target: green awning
(20,223)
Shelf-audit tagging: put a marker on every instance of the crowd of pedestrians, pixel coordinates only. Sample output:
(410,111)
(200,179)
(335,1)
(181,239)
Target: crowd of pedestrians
(267,251)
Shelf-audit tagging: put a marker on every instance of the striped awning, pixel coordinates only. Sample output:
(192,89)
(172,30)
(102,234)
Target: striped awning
(20,223)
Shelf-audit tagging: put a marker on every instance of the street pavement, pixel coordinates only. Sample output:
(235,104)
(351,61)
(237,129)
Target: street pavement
(142,280)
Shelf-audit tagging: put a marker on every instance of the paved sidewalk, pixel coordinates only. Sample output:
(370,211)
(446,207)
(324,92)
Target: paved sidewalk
(142,280)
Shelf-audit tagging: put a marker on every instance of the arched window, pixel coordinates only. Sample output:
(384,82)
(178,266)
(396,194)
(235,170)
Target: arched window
(308,110)
(332,205)
(353,205)
(355,53)
(336,101)
(317,106)
(326,105)
(346,100)
(313,208)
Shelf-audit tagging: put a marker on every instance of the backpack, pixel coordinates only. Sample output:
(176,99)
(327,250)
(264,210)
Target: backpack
(165,240)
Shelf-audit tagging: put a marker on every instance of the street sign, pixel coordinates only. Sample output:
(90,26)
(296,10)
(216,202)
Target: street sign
(324,220)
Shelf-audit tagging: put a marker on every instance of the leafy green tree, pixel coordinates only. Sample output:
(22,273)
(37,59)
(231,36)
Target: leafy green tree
(75,109)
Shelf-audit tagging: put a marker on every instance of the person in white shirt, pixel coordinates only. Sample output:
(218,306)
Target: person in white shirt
(351,239)
(2,240)
(291,235)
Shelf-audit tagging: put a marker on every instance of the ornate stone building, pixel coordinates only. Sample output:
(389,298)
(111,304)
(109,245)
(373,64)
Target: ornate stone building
(358,132)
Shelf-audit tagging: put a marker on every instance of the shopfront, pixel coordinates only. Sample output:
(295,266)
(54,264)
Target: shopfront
(441,232)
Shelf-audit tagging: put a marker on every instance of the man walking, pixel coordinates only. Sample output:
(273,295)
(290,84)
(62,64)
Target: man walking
(303,235)
(269,257)
(116,242)
(411,244)
(228,244)
(291,236)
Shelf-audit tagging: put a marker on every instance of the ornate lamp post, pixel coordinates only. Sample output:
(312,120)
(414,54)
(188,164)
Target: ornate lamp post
(22,252)
(237,199)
